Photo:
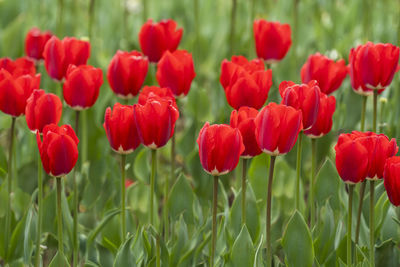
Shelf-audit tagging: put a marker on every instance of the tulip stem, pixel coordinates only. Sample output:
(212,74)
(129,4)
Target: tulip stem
(244,181)
(158,258)
(60,17)
(59,217)
(298,170)
(40,212)
(166,189)
(123,198)
(84,138)
(145,10)
(152,177)
(375,110)
(349,217)
(371,223)
(232,28)
(9,187)
(268,219)
(313,173)
(76,203)
(363,109)
(214,220)
(91,17)
(252,11)
(359,212)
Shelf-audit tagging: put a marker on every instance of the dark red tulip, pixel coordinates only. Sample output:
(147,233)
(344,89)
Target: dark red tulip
(272,40)
(372,66)
(176,71)
(392,179)
(120,128)
(155,91)
(277,128)
(59,149)
(328,73)
(42,109)
(323,124)
(35,41)
(155,121)
(127,72)
(18,67)
(220,147)
(156,38)
(246,83)
(243,119)
(59,54)
(82,86)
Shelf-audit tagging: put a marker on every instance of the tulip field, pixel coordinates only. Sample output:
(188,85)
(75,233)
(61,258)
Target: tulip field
(199,133)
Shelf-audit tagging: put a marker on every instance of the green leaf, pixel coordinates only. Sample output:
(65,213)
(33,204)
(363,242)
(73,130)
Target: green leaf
(243,253)
(258,172)
(387,254)
(327,186)
(181,200)
(141,166)
(297,242)
(125,256)
(59,260)
(29,235)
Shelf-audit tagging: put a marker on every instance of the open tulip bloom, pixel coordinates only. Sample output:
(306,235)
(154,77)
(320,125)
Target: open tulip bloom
(35,42)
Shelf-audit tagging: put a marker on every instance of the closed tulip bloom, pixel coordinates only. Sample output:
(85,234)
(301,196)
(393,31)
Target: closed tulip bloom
(176,71)
(155,121)
(272,40)
(82,86)
(323,124)
(59,54)
(277,128)
(243,119)
(245,83)
(42,109)
(372,66)
(391,179)
(120,128)
(328,73)
(58,150)
(35,41)
(304,97)
(220,147)
(127,72)
(154,92)
(156,38)
(18,67)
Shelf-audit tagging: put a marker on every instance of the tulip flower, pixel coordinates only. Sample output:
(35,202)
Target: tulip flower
(220,147)
(176,71)
(156,38)
(35,41)
(272,40)
(18,67)
(127,72)
(156,92)
(245,83)
(328,73)
(391,179)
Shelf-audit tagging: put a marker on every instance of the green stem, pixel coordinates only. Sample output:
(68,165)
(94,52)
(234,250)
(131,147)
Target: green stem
(313,173)
(166,189)
(60,94)
(84,142)
(91,17)
(375,109)
(76,203)
(59,216)
(145,10)
(40,212)
(359,212)
(214,220)
(197,30)
(158,258)
(9,187)
(252,12)
(298,170)
(60,17)
(232,27)
(349,217)
(244,181)
(123,198)
(371,223)
(152,178)
(363,109)
(268,219)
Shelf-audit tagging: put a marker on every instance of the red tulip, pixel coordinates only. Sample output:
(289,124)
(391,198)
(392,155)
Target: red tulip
(372,66)
(155,121)
(121,129)
(42,109)
(59,54)
(156,38)
(243,119)
(328,73)
(220,147)
(82,86)
(277,128)
(127,72)
(272,40)
(154,92)
(59,149)
(323,124)
(392,179)
(35,41)
(246,83)
(18,67)
(176,71)
(304,97)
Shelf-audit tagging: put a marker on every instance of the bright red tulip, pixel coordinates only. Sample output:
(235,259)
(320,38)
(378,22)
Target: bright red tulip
(372,66)
(220,147)
(42,109)
(35,41)
(82,86)
(156,38)
(277,128)
(272,40)
(328,73)
(155,121)
(176,71)
(323,124)
(304,97)
(243,119)
(127,72)
(392,179)
(18,67)
(246,83)
(121,129)
(59,149)
(155,91)
(59,54)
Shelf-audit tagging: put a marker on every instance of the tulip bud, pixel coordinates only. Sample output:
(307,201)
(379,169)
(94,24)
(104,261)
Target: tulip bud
(154,92)
(35,41)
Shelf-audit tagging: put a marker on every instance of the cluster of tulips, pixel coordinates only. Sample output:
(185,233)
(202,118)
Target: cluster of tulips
(306,109)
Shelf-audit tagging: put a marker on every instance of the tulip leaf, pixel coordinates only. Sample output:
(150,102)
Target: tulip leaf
(181,200)
(125,256)
(327,186)
(243,253)
(59,260)
(141,167)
